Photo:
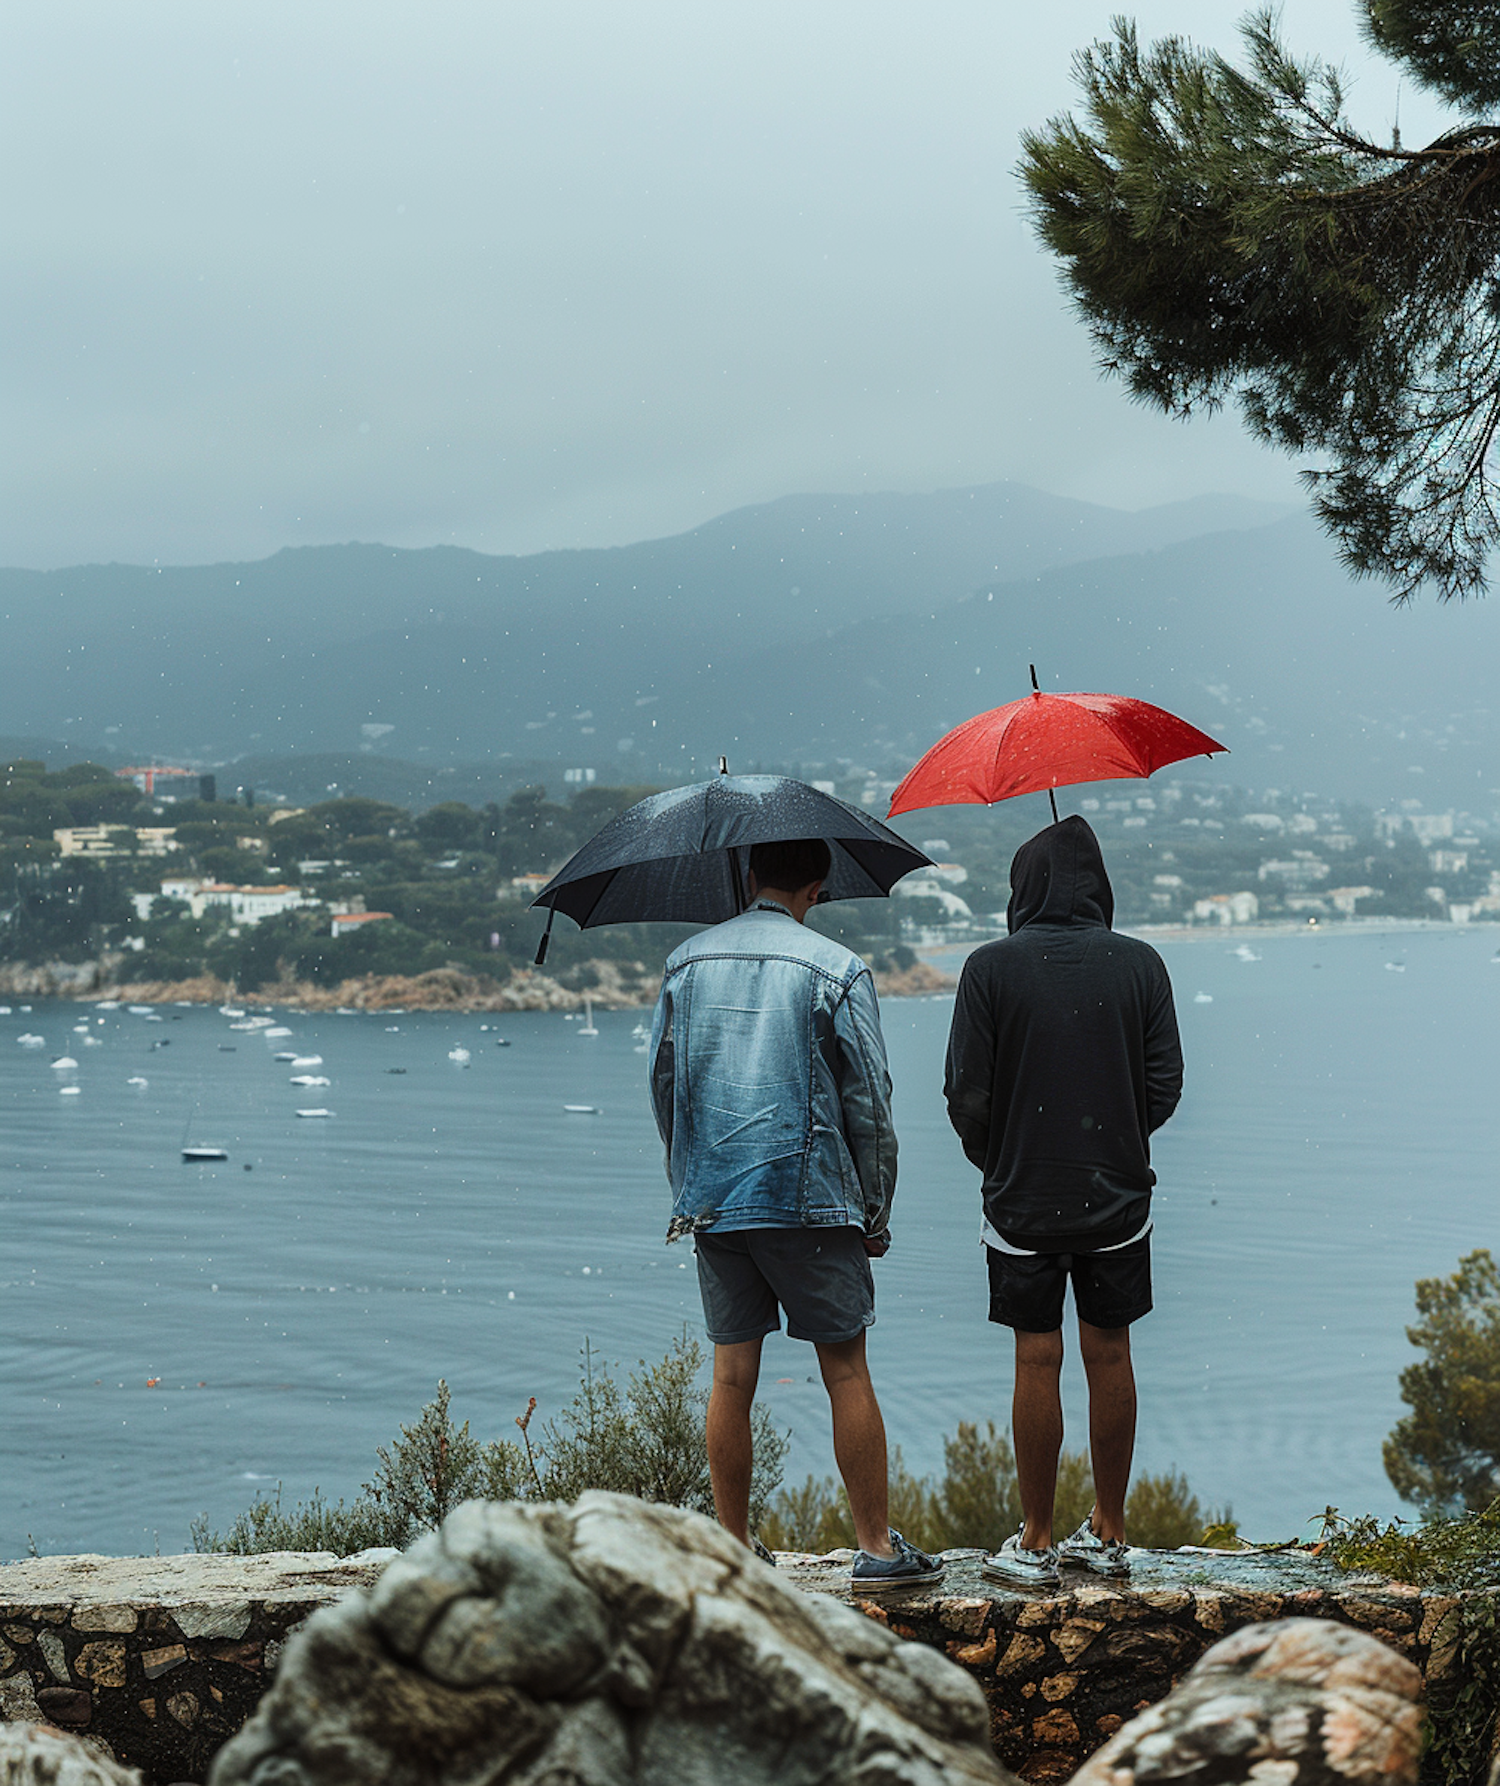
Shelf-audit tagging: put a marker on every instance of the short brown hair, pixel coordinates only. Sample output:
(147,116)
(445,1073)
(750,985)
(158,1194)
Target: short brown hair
(790,864)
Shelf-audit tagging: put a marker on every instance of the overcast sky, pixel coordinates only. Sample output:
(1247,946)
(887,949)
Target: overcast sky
(519,276)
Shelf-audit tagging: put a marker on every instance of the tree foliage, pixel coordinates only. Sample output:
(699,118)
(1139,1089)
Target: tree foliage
(1228,232)
(1445,1455)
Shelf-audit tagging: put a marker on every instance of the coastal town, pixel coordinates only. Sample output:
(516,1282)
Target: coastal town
(153,868)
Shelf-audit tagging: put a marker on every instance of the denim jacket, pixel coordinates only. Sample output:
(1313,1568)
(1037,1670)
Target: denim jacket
(769,1081)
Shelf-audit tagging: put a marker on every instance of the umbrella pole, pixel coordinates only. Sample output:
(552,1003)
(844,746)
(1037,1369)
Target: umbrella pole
(541,948)
(1053,798)
(741,898)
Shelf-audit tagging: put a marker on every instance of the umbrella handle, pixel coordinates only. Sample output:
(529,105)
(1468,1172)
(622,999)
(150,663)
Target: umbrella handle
(541,948)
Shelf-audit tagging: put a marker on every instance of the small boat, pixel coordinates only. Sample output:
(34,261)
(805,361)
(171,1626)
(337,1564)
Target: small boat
(306,1060)
(202,1153)
(1203,998)
(92,1042)
(227,1048)
(583,1109)
(80,1029)
(285,1054)
(395,1069)
(310,1079)
(345,1011)
(136,1080)
(70,1091)
(502,1041)
(27,1040)
(315,1113)
(152,1017)
(588,1017)
(1395,967)
(459,1056)
(108,1004)
(392,1029)
(228,1010)
(4,1010)
(140,1010)
(65,1063)
(277,1031)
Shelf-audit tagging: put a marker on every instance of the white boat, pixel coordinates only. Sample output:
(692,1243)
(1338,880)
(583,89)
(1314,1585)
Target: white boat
(588,1017)
(92,1042)
(315,1113)
(277,1031)
(285,1054)
(108,1004)
(459,1056)
(583,1109)
(65,1063)
(80,1029)
(27,1040)
(310,1079)
(70,1091)
(229,1010)
(136,1080)
(1203,998)
(4,1010)
(392,1029)
(306,1060)
(140,1010)
(203,1153)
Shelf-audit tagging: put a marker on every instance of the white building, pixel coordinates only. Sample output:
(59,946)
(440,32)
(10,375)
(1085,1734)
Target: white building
(116,840)
(246,905)
(1227,908)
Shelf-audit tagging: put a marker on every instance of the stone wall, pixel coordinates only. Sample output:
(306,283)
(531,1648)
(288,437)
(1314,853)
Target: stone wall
(1064,1671)
(157,1661)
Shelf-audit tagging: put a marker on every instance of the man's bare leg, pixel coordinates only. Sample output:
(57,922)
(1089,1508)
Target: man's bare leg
(858,1441)
(1106,1363)
(1036,1425)
(730,1450)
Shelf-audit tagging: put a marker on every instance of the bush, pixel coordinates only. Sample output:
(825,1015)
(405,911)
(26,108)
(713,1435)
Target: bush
(648,1440)
(976,1502)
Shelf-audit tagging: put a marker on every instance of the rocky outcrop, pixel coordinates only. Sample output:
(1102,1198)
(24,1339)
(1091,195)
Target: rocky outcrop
(35,1755)
(1298,1702)
(604,1644)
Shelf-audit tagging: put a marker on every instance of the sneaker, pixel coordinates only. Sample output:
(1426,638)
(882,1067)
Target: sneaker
(1023,1568)
(1087,1550)
(909,1568)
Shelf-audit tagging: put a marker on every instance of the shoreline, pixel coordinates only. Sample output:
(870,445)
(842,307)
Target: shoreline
(442,989)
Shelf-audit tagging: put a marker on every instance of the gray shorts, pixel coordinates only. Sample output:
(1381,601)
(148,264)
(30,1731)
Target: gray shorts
(820,1276)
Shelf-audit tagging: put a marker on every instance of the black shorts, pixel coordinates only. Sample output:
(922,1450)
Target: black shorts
(820,1276)
(1110,1289)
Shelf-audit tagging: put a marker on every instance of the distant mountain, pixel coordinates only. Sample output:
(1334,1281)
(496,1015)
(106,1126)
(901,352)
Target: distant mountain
(813,629)
(457,656)
(1313,680)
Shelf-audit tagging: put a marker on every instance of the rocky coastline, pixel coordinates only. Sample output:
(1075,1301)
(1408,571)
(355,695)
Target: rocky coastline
(611,985)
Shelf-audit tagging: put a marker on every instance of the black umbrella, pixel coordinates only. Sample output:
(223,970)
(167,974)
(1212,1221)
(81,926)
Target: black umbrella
(684,855)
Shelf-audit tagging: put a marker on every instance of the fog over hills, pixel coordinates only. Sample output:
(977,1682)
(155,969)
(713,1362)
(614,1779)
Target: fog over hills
(808,629)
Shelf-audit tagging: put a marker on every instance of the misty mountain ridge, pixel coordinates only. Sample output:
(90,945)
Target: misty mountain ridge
(807,629)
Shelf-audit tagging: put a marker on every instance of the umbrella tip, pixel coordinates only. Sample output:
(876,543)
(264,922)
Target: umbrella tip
(723,765)
(1034,683)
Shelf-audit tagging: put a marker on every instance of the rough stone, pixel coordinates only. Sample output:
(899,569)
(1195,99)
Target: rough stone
(101,1663)
(611,1643)
(32,1755)
(123,1619)
(1292,1699)
(51,1646)
(184,1708)
(70,1706)
(18,1700)
(231,1621)
(156,1663)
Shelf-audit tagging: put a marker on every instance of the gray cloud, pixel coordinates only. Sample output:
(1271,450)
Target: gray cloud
(521,276)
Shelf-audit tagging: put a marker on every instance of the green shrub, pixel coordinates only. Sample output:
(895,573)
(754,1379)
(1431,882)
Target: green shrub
(647,1440)
(976,1502)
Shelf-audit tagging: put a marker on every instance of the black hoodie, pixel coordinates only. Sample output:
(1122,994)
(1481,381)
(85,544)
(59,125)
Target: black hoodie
(1063,1057)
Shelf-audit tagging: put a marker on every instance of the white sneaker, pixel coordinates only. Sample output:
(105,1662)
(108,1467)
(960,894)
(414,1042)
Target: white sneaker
(1023,1568)
(1087,1550)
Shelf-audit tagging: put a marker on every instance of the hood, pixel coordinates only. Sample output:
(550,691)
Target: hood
(1058,877)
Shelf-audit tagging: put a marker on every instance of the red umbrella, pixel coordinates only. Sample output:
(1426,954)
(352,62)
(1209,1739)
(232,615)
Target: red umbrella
(1048,741)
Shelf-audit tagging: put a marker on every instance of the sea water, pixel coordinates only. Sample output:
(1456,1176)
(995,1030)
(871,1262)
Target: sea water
(175,1338)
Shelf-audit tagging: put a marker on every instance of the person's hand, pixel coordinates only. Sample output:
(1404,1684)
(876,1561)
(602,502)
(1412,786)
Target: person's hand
(878,1245)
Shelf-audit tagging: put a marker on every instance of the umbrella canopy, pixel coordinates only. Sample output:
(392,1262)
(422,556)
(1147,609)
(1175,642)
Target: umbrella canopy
(684,855)
(1048,741)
